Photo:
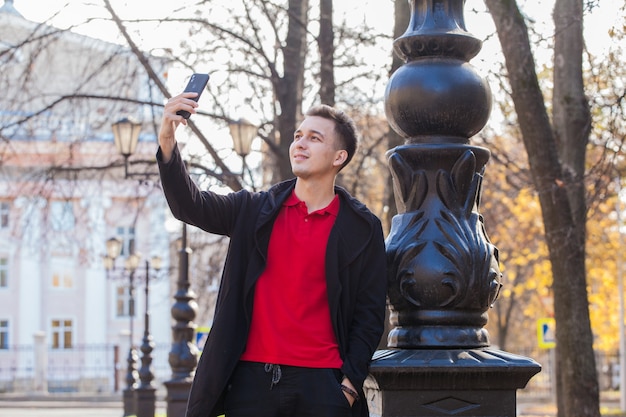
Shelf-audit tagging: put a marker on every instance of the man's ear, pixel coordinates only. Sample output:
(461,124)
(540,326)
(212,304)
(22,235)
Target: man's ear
(340,157)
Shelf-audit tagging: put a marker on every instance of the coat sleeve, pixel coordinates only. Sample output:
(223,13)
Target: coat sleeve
(209,211)
(368,317)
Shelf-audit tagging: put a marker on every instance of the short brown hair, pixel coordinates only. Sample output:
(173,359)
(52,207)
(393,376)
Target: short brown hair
(344,127)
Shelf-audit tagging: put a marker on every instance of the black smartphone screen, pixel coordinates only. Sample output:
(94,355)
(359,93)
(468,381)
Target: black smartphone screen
(196,84)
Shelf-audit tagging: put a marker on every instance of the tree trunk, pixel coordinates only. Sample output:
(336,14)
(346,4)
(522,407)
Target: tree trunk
(577,383)
(326,46)
(402,14)
(290,86)
(571,123)
(570,110)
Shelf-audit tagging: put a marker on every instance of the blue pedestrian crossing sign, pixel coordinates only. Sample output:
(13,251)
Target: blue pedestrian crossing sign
(202,333)
(545,333)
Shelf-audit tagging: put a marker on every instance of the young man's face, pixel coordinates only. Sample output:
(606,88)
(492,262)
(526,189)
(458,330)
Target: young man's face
(314,150)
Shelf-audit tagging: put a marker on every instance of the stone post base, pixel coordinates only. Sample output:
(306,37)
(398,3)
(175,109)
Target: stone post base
(177,396)
(445,382)
(145,399)
(130,408)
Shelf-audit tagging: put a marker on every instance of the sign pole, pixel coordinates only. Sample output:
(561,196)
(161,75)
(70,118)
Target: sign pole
(620,289)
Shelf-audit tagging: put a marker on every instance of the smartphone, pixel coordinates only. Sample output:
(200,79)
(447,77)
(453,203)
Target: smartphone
(197,83)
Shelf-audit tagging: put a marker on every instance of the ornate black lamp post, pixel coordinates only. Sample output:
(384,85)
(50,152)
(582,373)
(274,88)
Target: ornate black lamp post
(139,399)
(114,249)
(145,393)
(183,356)
(443,270)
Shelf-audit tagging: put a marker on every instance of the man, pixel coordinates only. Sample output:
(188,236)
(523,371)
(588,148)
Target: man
(302,299)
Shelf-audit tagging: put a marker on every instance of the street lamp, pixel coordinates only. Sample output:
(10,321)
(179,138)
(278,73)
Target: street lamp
(140,406)
(242,132)
(113,250)
(182,358)
(126,135)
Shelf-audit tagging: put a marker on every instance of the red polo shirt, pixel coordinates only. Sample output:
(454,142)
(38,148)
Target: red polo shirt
(291,322)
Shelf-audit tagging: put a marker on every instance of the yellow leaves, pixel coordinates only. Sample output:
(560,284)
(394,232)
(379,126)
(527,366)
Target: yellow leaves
(603,260)
(514,223)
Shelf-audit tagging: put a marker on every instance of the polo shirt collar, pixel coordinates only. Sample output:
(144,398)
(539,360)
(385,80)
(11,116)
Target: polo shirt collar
(332,208)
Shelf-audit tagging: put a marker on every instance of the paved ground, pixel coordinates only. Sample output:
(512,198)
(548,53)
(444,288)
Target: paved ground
(70,406)
(96,410)
(22,407)
(69,411)
(67,407)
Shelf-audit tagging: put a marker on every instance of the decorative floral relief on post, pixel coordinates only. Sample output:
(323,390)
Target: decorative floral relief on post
(443,269)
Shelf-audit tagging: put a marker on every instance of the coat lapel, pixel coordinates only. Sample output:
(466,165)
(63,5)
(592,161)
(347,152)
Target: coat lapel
(263,230)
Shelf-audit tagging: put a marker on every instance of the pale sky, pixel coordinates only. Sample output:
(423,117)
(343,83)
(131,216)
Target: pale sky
(378,13)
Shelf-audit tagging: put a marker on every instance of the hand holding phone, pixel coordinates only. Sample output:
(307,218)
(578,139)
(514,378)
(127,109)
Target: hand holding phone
(196,84)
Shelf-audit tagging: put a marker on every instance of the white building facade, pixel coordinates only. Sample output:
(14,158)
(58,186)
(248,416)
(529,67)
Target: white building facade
(65,321)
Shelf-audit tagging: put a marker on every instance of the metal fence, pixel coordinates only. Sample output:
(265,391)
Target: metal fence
(103,368)
(84,369)
(542,385)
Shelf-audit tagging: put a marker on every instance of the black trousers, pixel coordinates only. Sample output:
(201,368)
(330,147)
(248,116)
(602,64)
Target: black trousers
(265,390)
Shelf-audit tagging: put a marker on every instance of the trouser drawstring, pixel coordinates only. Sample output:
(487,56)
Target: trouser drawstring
(276,373)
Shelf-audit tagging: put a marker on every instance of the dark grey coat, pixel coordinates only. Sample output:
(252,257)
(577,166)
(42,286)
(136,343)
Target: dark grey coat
(355,271)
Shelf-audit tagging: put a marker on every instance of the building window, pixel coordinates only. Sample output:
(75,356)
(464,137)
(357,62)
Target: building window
(4,272)
(4,215)
(124,302)
(62,216)
(4,334)
(61,272)
(127,235)
(61,334)
(62,280)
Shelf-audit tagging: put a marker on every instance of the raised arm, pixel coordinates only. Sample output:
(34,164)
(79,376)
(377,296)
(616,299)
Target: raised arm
(171,120)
